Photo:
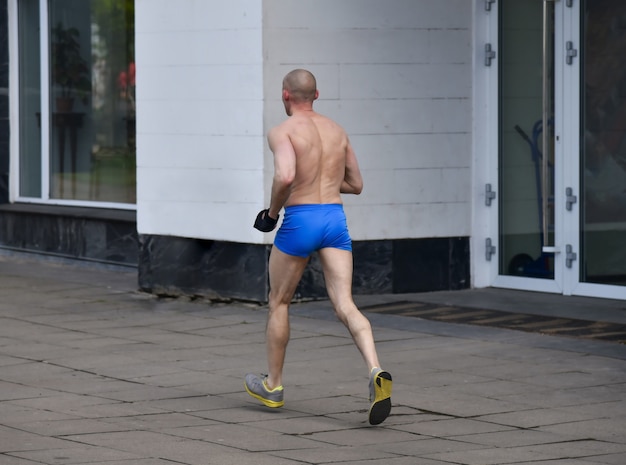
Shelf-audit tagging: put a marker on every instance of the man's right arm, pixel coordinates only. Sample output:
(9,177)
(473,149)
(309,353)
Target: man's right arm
(284,169)
(353,181)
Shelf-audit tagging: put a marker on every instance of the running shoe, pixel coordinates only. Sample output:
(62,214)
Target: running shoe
(257,388)
(380,396)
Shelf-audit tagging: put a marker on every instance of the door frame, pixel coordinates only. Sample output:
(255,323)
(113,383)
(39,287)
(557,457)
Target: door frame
(485,219)
(572,169)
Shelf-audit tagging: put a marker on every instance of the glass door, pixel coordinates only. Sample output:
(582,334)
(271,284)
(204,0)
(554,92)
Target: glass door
(527,157)
(562,146)
(602,165)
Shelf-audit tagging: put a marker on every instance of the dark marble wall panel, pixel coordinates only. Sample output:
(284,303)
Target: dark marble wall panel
(312,285)
(420,265)
(373,267)
(432,264)
(221,270)
(213,269)
(372,272)
(70,236)
(120,243)
(398,266)
(224,270)
(459,263)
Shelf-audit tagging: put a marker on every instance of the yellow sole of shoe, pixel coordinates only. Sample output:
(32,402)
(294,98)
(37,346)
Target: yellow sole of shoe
(266,402)
(381,407)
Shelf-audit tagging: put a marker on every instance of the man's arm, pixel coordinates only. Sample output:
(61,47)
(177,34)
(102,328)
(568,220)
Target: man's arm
(284,169)
(352,181)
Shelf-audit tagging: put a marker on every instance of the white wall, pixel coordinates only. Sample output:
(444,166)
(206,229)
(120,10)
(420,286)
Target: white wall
(199,118)
(397,75)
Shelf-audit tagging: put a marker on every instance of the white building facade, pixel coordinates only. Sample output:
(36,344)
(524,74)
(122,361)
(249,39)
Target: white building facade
(444,101)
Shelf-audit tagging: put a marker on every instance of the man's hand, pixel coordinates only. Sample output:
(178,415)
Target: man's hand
(264,222)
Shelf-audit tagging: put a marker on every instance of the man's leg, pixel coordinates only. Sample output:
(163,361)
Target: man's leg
(285,272)
(337,266)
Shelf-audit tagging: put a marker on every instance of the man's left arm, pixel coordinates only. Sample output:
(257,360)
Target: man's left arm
(352,181)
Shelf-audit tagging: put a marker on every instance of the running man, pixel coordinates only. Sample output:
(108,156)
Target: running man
(314,164)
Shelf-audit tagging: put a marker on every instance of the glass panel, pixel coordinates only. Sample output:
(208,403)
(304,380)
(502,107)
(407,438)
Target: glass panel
(29,99)
(521,52)
(603,161)
(92,147)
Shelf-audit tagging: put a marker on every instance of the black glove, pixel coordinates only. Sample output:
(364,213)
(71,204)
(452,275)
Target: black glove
(264,222)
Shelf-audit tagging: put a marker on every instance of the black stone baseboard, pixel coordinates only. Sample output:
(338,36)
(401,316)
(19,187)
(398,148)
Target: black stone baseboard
(108,236)
(224,270)
(212,269)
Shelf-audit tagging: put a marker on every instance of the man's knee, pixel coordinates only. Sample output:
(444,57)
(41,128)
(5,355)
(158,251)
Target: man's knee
(345,309)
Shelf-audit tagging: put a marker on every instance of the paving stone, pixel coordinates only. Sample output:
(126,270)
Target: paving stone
(133,462)
(395,461)
(12,460)
(245,410)
(12,414)
(493,456)
(535,418)
(259,439)
(516,437)
(608,459)
(65,427)
(336,454)
(16,391)
(452,428)
(94,372)
(75,454)
(14,441)
(363,436)
(601,429)
(580,448)
(302,426)
(154,445)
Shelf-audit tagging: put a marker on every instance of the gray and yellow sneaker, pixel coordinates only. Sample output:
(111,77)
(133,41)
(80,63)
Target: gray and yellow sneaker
(380,396)
(257,388)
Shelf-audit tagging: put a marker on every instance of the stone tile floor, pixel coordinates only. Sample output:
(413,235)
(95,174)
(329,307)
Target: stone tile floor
(94,372)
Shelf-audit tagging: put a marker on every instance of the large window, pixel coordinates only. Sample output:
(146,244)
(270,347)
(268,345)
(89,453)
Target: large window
(76,101)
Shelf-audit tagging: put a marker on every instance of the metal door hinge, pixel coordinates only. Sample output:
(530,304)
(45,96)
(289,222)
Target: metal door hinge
(489,54)
(489,195)
(570,199)
(489,249)
(488,4)
(570,52)
(570,256)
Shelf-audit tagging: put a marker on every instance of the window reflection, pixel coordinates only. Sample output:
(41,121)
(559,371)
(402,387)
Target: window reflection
(29,99)
(603,170)
(91,101)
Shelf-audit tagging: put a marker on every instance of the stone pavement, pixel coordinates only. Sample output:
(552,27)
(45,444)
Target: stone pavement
(94,372)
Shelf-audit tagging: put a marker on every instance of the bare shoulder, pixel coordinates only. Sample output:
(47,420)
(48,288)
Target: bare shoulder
(279,131)
(332,131)
(328,121)
(279,128)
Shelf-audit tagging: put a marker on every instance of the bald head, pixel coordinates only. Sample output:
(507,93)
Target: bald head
(301,85)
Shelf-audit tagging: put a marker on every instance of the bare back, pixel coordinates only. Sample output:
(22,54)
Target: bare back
(323,158)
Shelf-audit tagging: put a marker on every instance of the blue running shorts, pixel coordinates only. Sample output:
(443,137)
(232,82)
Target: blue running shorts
(308,228)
